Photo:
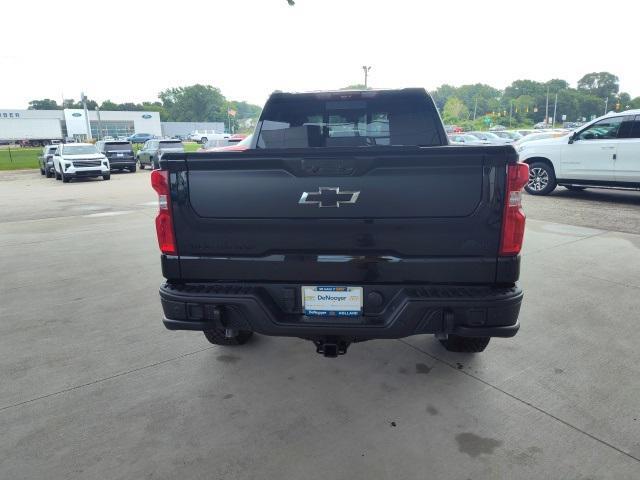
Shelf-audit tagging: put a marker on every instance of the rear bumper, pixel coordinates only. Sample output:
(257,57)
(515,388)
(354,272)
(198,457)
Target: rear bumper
(389,311)
(126,163)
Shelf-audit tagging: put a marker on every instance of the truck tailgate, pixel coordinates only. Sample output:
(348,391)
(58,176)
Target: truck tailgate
(429,214)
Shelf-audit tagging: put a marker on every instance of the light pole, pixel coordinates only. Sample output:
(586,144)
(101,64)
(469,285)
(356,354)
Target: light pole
(546,110)
(99,124)
(606,104)
(366,74)
(83,97)
(510,113)
(555,106)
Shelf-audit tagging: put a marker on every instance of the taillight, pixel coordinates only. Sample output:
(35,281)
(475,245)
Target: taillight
(514,217)
(164,220)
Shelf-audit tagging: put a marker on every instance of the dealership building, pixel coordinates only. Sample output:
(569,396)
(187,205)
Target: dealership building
(72,123)
(20,125)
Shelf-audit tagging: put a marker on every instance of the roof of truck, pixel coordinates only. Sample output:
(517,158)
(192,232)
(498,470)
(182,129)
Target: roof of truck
(372,92)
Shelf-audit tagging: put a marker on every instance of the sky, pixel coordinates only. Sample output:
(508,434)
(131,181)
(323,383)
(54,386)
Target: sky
(129,51)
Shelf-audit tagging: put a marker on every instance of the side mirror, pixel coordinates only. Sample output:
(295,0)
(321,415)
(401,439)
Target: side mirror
(573,137)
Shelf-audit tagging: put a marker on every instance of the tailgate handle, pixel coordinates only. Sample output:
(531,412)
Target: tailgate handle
(328,166)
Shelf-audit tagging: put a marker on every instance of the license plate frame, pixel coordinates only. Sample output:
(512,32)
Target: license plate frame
(332,301)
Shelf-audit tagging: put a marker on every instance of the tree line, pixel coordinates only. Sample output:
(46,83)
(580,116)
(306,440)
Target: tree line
(193,103)
(524,102)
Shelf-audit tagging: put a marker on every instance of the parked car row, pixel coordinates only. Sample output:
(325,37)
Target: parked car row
(68,161)
(501,137)
(485,138)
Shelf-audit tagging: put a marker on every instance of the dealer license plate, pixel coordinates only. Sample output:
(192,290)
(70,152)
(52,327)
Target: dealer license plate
(332,301)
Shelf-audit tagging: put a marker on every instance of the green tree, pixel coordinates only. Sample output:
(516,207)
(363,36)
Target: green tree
(525,87)
(635,103)
(480,97)
(623,102)
(600,84)
(556,84)
(71,103)
(455,110)
(245,109)
(109,106)
(44,104)
(195,103)
(441,94)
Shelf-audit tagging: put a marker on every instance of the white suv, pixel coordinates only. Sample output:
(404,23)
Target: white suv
(79,160)
(601,153)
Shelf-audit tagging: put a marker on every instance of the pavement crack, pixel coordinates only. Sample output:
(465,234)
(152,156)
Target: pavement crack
(569,242)
(524,402)
(104,379)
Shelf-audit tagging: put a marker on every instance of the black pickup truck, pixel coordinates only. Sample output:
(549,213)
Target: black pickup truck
(350,218)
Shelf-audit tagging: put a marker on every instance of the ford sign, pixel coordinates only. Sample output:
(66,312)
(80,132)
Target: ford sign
(76,114)
(146,115)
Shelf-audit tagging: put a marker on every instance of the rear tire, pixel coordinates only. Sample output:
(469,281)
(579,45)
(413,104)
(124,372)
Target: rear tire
(42,172)
(542,179)
(48,173)
(217,337)
(132,169)
(203,140)
(106,177)
(141,164)
(456,343)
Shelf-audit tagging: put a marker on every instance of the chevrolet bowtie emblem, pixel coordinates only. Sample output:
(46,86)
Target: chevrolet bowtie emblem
(328,197)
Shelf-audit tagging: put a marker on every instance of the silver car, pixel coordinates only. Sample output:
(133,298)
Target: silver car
(490,137)
(465,139)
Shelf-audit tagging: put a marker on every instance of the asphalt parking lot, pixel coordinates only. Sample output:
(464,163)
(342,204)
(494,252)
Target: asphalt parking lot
(93,386)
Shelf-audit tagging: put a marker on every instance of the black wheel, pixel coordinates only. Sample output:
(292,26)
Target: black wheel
(42,172)
(542,179)
(141,164)
(203,140)
(456,343)
(574,188)
(217,337)
(57,175)
(132,169)
(106,176)
(64,178)
(48,173)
